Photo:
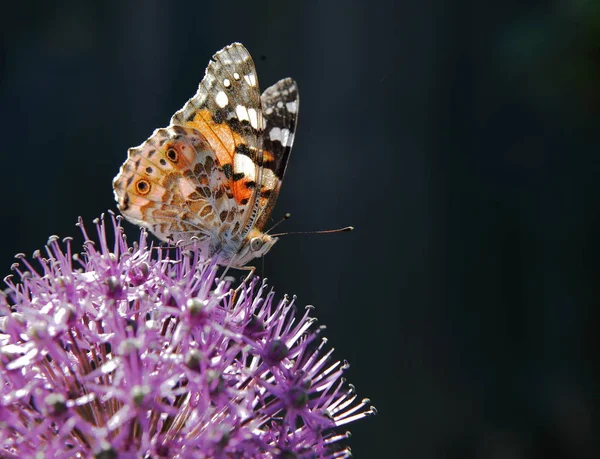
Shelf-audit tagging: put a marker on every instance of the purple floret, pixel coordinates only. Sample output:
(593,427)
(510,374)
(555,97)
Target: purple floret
(129,351)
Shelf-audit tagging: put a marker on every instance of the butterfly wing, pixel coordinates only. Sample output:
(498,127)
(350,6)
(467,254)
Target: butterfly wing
(172,185)
(208,174)
(280,104)
(227,111)
(209,190)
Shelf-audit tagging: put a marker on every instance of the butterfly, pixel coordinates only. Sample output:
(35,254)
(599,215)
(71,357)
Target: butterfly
(213,175)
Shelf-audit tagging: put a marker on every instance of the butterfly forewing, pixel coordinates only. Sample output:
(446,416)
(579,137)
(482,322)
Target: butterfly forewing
(227,111)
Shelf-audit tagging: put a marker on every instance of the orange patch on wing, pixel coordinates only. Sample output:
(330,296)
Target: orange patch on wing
(241,192)
(264,202)
(268,156)
(221,137)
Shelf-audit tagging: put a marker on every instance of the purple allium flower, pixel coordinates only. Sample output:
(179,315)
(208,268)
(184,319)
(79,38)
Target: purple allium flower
(123,351)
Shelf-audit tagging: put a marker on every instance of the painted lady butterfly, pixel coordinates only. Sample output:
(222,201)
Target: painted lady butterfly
(215,172)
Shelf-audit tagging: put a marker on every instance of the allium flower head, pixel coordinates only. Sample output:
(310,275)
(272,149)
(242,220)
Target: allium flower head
(131,351)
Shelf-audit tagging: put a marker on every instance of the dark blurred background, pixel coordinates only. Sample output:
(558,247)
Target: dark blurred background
(461,138)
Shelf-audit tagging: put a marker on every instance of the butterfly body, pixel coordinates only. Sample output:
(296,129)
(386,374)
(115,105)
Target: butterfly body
(214,174)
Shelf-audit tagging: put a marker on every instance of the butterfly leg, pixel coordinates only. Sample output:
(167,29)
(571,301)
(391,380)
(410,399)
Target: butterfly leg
(244,283)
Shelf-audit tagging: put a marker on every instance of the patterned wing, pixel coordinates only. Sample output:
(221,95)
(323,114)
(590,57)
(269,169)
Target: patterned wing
(226,110)
(173,185)
(280,105)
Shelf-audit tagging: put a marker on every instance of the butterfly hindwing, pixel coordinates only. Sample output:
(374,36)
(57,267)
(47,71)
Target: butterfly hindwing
(172,184)
(280,104)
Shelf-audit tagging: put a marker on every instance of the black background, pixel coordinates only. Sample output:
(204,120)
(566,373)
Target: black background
(460,138)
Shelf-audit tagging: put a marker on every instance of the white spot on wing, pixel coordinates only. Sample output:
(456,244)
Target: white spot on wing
(236,75)
(241,163)
(269,180)
(226,82)
(279,104)
(253,118)
(291,107)
(250,79)
(242,113)
(222,99)
(282,135)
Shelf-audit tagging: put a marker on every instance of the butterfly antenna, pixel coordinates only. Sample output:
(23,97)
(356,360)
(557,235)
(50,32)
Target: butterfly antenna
(338,230)
(284,218)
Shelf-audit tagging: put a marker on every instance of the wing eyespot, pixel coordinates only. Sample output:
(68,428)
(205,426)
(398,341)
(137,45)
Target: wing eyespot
(172,155)
(143,187)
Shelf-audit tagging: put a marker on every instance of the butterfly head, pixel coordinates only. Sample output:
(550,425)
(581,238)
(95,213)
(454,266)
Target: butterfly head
(255,245)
